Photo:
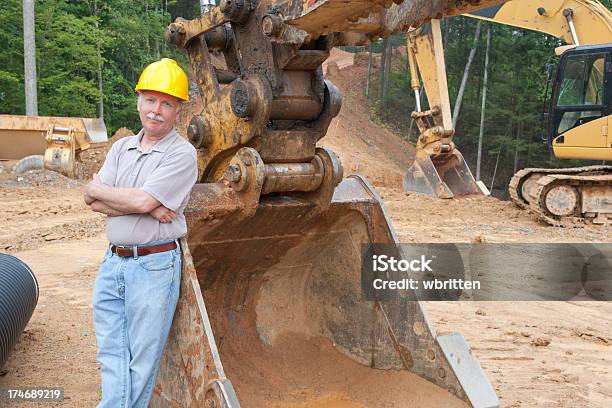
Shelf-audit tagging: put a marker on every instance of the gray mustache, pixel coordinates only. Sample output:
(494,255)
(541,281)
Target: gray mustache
(153,116)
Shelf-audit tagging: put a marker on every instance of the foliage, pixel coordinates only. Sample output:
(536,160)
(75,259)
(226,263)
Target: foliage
(74,39)
(11,58)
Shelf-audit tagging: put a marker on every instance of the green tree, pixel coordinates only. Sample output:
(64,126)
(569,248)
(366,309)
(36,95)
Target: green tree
(73,39)
(12,99)
(68,56)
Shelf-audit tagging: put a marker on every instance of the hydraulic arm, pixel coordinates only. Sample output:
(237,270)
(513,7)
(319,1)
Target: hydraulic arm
(272,277)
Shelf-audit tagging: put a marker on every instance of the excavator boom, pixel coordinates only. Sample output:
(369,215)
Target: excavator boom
(438,168)
(574,21)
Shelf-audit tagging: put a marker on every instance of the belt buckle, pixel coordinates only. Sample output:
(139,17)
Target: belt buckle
(121,247)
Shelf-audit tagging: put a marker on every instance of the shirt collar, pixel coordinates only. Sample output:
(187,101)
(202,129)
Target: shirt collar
(161,146)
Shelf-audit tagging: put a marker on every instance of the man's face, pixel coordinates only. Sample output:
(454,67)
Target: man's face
(158,112)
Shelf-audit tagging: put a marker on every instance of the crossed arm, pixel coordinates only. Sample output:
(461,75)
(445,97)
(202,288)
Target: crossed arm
(116,201)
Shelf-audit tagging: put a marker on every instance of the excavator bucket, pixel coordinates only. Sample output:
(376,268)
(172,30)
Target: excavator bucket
(272,313)
(60,155)
(445,176)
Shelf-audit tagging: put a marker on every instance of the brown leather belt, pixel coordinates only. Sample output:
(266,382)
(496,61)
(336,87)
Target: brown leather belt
(127,250)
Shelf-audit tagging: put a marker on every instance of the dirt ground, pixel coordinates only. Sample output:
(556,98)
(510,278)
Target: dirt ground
(536,354)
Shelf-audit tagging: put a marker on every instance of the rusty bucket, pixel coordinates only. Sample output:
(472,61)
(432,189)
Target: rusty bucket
(444,176)
(272,314)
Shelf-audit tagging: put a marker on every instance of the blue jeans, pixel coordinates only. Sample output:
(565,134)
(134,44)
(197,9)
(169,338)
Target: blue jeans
(134,300)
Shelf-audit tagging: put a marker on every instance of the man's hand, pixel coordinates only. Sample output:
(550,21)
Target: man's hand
(163,214)
(88,199)
(92,186)
(90,189)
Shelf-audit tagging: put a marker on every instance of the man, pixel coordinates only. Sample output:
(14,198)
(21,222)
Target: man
(143,188)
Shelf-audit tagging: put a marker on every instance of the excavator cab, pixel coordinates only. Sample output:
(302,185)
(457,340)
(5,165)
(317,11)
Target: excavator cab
(580,104)
(273,310)
(579,111)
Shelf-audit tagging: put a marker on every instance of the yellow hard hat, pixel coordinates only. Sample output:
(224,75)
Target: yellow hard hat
(164,76)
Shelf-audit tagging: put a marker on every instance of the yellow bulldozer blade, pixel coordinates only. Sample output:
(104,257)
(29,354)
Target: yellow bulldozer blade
(272,314)
(444,176)
(22,136)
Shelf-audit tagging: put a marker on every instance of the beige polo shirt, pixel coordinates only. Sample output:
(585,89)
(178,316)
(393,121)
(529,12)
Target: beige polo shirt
(167,172)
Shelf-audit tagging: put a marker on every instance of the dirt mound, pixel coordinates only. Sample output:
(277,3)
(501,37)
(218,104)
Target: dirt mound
(93,158)
(6,170)
(363,145)
(309,372)
(120,134)
(339,59)
(43,207)
(37,178)
(476,219)
(91,161)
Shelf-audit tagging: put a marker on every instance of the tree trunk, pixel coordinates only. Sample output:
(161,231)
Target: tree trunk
(206,5)
(100,90)
(29,58)
(519,135)
(388,60)
(389,55)
(410,129)
(101,100)
(445,32)
(383,60)
(484,103)
(495,169)
(466,72)
(367,89)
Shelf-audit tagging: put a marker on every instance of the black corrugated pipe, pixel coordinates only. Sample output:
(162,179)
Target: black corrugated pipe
(18,297)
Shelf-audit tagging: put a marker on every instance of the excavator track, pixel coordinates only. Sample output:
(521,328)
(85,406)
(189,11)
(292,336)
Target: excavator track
(565,197)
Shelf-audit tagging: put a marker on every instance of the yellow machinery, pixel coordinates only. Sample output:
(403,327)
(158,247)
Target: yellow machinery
(579,112)
(438,168)
(60,154)
(272,311)
(58,139)
(578,123)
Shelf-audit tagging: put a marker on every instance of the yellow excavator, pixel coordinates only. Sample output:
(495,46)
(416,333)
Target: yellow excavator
(580,109)
(272,310)
(54,143)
